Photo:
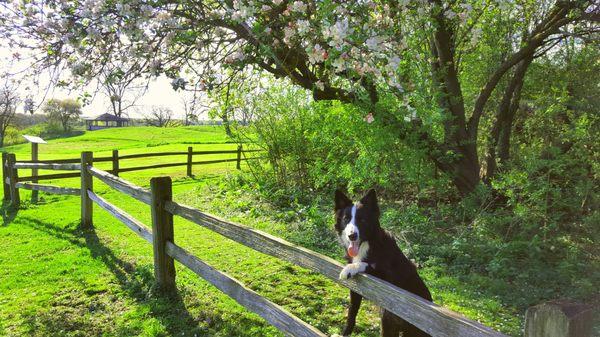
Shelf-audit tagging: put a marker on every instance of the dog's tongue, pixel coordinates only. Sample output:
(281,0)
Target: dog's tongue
(353,249)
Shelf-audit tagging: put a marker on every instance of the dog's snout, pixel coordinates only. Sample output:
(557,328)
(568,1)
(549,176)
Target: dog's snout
(353,236)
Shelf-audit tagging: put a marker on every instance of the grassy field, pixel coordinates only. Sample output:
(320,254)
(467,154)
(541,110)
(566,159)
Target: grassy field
(59,280)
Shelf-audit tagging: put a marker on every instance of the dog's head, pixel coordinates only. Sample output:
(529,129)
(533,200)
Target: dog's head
(358,222)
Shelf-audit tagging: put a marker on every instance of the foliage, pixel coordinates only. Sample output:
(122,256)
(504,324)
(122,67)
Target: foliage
(63,111)
(437,62)
(318,146)
(160,116)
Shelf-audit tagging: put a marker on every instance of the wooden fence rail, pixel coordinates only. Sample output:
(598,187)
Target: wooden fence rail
(72,164)
(48,166)
(48,188)
(429,317)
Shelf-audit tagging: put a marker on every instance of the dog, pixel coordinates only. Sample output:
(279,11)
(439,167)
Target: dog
(371,250)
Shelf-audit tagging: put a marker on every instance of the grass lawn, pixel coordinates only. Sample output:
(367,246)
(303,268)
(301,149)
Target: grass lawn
(59,280)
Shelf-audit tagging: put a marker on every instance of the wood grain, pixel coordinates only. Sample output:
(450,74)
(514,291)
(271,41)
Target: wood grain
(136,226)
(121,185)
(49,188)
(48,166)
(52,176)
(271,312)
(87,184)
(162,230)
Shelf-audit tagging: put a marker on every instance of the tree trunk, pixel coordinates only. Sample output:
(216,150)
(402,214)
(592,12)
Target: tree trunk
(225,119)
(499,143)
(464,164)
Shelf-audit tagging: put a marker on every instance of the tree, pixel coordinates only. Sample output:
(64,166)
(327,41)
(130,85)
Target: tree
(431,69)
(63,111)
(192,104)
(159,116)
(9,99)
(120,82)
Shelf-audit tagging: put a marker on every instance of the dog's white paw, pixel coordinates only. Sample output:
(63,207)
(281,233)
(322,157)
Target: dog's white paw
(352,269)
(348,271)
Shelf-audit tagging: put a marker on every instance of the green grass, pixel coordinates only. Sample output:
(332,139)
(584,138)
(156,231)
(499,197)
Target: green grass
(60,280)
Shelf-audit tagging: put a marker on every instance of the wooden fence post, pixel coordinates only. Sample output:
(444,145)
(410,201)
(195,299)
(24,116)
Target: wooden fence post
(5,176)
(115,162)
(189,161)
(87,158)
(561,318)
(239,157)
(162,231)
(13,178)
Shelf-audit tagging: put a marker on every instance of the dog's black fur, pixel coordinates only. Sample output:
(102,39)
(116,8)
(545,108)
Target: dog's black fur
(383,259)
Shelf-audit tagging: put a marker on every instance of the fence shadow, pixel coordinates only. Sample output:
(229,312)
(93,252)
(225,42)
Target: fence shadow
(8,213)
(136,282)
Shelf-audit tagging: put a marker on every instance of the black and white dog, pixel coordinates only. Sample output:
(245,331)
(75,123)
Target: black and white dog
(371,250)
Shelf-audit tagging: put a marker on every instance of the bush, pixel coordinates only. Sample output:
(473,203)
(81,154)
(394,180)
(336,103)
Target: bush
(319,146)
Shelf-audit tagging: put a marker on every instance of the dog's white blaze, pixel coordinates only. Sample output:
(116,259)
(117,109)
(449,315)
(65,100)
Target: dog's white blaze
(351,228)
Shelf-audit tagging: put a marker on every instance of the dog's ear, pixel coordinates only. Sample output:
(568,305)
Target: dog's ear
(370,200)
(341,200)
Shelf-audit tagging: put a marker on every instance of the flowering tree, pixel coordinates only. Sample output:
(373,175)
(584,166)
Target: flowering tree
(406,62)
(9,99)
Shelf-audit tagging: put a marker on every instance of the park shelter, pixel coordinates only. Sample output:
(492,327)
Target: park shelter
(106,121)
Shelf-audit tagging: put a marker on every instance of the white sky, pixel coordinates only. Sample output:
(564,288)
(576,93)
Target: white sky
(159,92)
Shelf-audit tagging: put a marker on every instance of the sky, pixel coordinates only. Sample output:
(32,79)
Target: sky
(159,93)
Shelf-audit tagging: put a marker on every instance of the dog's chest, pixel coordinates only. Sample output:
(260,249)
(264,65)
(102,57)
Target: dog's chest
(363,253)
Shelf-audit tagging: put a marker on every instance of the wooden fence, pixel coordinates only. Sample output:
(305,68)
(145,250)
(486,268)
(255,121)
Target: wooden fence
(426,315)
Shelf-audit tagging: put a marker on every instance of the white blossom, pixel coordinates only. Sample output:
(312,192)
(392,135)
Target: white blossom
(298,6)
(317,54)
(303,26)
(374,43)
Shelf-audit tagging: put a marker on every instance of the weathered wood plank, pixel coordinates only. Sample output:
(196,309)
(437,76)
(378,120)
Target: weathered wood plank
(559,318)
(271,312)
(138,227)
(162,230)
(148,167)
(49,188)
(5,179)
(223,151)
(429,317)
(115,162)
(151,154)
(214,161)
(189,161)
(214,152)
(121,185)
(51,176)
(48,166)
(65,161)
(13,178)
(87,184)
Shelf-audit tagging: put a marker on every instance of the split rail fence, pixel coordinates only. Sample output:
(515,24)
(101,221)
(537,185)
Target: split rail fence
(426,315)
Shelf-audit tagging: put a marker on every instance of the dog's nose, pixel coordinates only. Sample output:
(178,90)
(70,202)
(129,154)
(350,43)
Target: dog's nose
(353,237)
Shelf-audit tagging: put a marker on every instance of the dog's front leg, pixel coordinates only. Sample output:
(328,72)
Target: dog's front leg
(353,269)
(355,300)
